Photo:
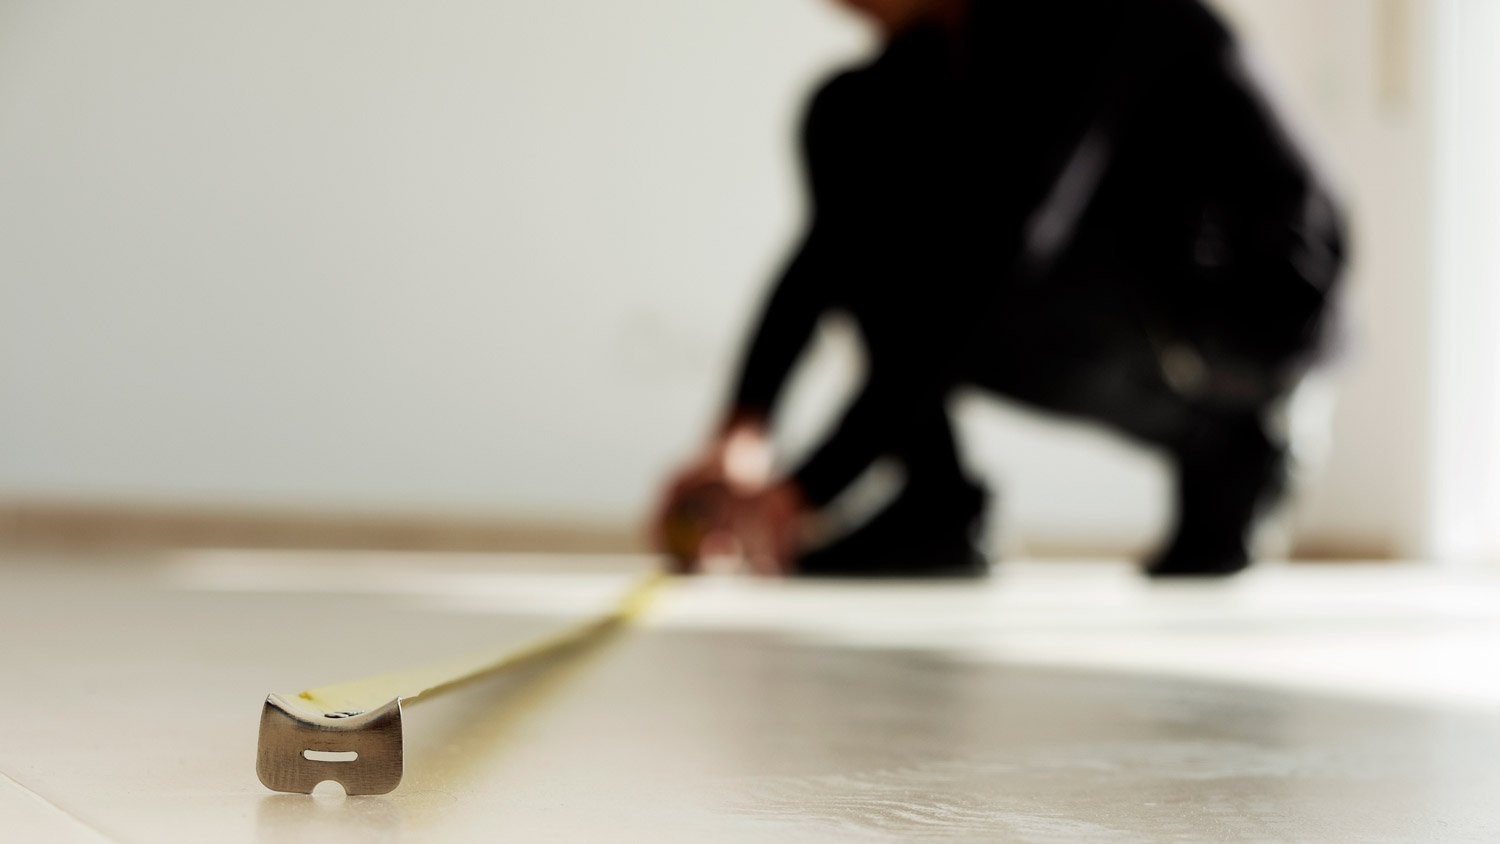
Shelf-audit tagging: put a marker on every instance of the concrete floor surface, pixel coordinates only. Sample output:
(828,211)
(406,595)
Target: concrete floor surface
(1055,702)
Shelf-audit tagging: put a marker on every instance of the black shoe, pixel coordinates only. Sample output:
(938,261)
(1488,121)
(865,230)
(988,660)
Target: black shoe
(922,534)
(1227,478)
(1188,559)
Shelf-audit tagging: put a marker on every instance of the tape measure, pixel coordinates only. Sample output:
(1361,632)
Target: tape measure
(353,730)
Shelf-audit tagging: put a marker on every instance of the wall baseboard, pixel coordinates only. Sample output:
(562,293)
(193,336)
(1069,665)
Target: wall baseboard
(66,525)
(114,526)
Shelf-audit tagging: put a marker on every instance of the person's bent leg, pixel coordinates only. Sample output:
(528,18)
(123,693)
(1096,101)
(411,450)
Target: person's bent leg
(1229,473)
(1228,465)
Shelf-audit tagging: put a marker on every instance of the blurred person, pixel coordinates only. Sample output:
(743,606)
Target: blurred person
(1084,205)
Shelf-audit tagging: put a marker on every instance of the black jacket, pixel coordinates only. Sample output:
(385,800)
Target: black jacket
(930,170)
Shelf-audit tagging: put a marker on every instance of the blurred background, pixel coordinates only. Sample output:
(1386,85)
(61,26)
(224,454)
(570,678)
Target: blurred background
(467,274)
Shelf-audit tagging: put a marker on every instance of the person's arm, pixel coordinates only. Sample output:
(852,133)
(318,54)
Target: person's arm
(737,461)
(781,334)
(805,290)
(877,417)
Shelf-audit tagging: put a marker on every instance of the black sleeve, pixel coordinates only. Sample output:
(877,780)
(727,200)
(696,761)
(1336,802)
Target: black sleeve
(889,404)
(805,290)
(851,447)
(809,287)
(786,324)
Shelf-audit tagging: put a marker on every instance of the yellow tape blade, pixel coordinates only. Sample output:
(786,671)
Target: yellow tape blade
(430,680)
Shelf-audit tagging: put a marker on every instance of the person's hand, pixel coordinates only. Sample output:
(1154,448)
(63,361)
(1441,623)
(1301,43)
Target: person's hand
(698,511)
(692,516)
(768,525)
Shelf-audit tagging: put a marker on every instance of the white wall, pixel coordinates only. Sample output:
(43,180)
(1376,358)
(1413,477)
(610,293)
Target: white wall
(498,256)
(1358,74)
(464,254)
(1465,465)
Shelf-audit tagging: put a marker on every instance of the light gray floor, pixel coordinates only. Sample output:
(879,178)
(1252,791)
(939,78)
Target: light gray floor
(1054,703)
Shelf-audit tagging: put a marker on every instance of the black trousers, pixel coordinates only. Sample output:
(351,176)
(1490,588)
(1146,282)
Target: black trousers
(1091,352)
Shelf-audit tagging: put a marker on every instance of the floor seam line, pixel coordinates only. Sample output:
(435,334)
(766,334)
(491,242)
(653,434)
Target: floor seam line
(45,801)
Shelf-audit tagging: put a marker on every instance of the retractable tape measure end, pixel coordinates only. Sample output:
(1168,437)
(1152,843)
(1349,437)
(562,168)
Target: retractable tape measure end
(289,732)
(359,722)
